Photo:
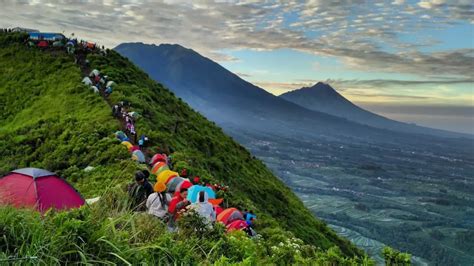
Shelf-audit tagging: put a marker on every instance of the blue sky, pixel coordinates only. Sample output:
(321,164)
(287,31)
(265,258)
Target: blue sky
(375,53)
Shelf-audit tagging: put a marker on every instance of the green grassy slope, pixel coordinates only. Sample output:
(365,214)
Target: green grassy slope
(49,120)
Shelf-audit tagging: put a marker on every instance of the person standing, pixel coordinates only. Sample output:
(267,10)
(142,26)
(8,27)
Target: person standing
(139,191)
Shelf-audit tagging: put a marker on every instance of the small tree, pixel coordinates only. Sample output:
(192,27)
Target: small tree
(395,257)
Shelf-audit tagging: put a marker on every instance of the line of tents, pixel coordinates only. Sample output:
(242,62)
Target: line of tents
(42,190)
(232,218)
(50,39)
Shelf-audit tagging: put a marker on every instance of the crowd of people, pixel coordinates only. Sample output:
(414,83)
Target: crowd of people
(120,111)
(157,201)
(99,83)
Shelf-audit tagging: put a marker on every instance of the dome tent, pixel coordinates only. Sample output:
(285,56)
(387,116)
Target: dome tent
(193,193)
(138,155)
(158,158)
(159,167)
(229,215)
(38,188)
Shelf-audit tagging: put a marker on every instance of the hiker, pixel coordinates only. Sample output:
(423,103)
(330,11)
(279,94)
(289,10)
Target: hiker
(157,203)
(139,191)
(184,173)
(204,208)
(179,202)
(141,142)
(108,91)
(132,131)
(125,103)
(97,79)
(250,220)
(245,213)
(128,125)
(116,110)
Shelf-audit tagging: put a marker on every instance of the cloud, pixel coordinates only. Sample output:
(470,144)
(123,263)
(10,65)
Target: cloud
(354,31)
(394,82)
(391,96)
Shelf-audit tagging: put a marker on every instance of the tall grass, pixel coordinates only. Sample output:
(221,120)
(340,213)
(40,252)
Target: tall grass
(108,233)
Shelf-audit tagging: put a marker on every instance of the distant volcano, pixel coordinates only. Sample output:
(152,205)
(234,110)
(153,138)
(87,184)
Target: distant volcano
(323,98)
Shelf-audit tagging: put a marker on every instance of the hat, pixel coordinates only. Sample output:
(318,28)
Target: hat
(159,187)
(139,175)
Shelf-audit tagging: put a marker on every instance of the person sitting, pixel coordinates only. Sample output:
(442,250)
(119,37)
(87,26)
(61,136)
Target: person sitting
(139,192)
(178,203)
(157,203)
(108,91)
(250,218)
(204,208)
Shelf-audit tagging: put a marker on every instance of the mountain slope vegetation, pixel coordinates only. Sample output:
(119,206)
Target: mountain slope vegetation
(50,120)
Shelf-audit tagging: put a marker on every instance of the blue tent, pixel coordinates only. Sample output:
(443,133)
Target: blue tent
(121,136)
(193,193)
(138,156)
(46,36)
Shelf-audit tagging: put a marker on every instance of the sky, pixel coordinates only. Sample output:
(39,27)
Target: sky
(408,60)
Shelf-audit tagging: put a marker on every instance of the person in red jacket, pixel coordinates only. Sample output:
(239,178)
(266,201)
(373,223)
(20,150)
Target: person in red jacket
(178,203)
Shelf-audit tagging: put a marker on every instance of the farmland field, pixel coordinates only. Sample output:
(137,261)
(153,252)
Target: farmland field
(417,196)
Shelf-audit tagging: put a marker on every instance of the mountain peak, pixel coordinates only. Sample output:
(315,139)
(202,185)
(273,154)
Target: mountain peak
(319,90)
(321,86)
(173,46)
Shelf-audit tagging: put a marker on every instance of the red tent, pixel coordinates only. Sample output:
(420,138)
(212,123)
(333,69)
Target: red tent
(134,148)
(158,158)
(229,215)
(236,225)
(41,189)
(43,44)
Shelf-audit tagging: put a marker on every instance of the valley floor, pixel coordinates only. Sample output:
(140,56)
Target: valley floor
(416,195)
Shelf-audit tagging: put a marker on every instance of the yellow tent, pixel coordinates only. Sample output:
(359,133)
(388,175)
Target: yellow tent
(127,144)
(164,176)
